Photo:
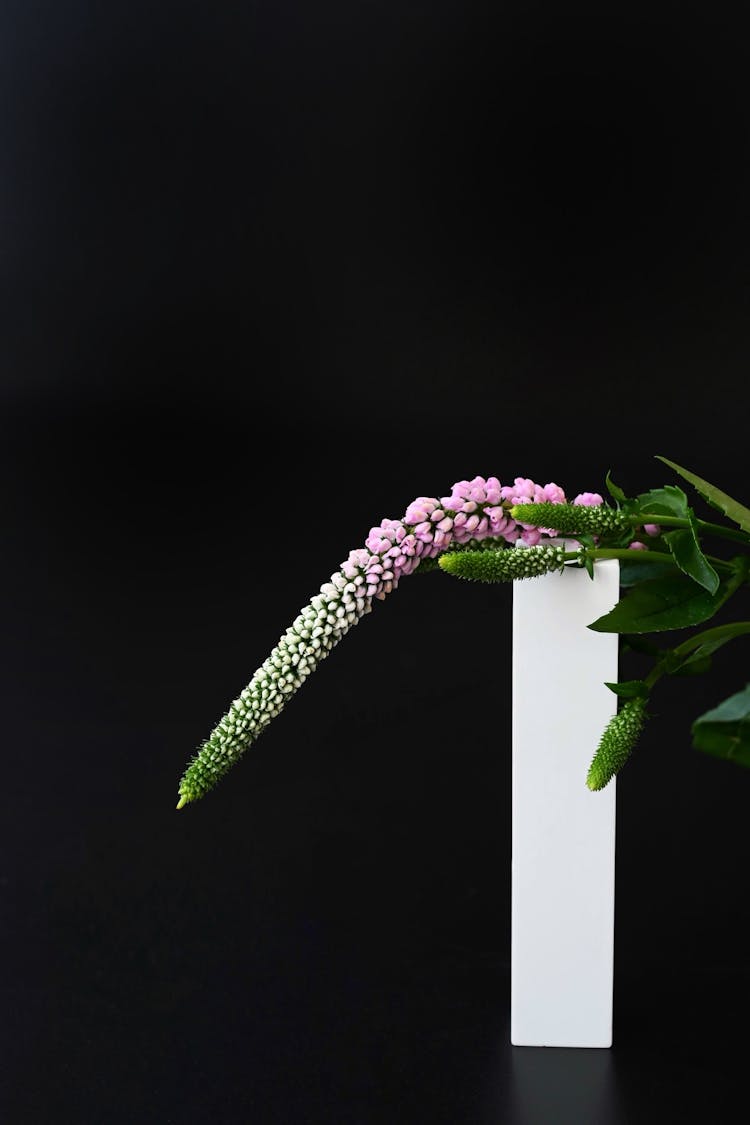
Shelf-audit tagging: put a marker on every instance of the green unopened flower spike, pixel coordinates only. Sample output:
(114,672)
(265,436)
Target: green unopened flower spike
(572,518)
(504,565)
(619,738)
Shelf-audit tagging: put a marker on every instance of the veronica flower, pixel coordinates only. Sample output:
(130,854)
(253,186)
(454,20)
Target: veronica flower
(475,512)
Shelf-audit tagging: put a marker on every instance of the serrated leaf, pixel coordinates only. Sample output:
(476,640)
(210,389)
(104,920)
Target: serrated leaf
(667,501)
(725,731)
(714,496)
(635,571)
(687,553)
(661,604)
(614,489)
(629,689)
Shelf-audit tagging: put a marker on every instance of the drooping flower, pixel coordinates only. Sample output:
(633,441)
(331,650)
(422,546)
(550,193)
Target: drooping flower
(308,640)
(475,512)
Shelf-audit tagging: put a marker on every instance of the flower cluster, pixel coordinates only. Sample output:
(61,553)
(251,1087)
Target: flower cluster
(475,511)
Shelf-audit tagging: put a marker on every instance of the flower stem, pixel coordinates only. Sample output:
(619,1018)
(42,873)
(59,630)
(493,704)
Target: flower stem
(702,525)
(619,553)
(639,556)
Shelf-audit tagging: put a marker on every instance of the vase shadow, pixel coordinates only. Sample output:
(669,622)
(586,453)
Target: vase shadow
(564,1085)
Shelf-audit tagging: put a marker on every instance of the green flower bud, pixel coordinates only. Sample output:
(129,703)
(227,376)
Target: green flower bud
(572,518)
(619,738)
(503,565)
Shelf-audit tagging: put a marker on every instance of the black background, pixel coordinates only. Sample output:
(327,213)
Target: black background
(270,270)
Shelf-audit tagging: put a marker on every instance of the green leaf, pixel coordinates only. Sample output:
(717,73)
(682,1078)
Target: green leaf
(667,501)
(693,667)
(687,553)
(735,511)
(614,490)
(629,689)
(660,604)
(635,571)
(725,731)
(701,646)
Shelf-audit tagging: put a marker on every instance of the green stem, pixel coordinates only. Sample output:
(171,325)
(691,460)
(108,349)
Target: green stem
(620,553)
(655,674)
(702,525)
(641,556)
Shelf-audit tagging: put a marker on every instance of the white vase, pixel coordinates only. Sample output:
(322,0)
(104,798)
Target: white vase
(563,839)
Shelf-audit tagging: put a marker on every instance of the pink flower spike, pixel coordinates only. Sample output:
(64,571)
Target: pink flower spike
(474,509)
(652,528)
(636,545)
(589,499)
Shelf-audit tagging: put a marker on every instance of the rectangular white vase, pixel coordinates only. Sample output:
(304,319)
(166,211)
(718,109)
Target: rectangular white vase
(563,839)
